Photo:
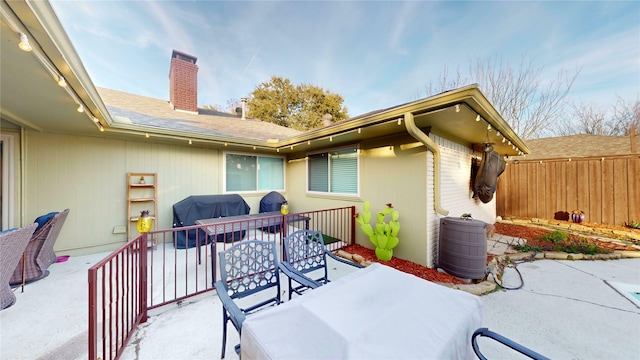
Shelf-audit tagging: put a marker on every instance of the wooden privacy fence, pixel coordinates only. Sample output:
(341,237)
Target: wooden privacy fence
(606,188)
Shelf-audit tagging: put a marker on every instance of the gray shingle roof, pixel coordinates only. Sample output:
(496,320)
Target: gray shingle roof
(146,111)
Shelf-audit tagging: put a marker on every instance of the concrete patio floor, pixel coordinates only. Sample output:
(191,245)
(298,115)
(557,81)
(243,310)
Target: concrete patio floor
(564,310)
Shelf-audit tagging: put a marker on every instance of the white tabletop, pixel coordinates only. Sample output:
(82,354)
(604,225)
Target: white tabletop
(373,313)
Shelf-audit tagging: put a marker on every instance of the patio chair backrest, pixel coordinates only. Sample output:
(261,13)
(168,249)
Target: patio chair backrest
(12,245)
(47,256)
(305,251)
(249,267)
(39,254)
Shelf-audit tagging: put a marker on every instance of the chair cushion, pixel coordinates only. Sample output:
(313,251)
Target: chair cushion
(43,219)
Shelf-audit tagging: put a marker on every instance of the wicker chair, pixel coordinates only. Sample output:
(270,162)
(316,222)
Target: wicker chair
(12,245)
(39,253)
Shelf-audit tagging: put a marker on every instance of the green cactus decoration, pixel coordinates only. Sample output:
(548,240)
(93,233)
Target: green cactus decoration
(384,236)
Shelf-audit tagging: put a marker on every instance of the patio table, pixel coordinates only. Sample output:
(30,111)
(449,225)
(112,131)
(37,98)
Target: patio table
(373,313)
(241,223)
(247,222)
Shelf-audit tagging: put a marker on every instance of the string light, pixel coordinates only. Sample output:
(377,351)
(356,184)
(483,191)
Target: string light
(24,44)
(62,82)
(478,118)
(146,135)
(190,142)
(457,108)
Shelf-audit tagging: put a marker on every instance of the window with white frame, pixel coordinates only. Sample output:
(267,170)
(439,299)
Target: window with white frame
(335,171)
(253,173)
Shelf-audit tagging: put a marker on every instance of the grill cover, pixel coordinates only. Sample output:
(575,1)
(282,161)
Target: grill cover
(197,207)
(271,202)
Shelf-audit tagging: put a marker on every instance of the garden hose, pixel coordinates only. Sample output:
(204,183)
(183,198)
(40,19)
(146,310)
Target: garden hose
(514,265)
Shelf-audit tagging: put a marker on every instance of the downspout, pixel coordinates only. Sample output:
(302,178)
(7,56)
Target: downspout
(413,130)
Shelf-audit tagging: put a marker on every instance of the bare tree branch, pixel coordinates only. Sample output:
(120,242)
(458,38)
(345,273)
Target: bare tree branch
(527,102)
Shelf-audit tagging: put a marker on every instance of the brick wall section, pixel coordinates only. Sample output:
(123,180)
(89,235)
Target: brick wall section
(455,189)
(183,82)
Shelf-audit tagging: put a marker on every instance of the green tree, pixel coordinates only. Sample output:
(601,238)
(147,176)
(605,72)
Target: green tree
(300,107)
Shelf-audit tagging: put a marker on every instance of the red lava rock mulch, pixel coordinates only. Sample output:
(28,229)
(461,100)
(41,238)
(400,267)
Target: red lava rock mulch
(525,232)
(404,265)
(532,234)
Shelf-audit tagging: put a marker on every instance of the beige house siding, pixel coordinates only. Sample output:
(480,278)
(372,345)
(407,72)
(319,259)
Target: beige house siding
(88,176)
(405,178)
(390,174)
(11,201)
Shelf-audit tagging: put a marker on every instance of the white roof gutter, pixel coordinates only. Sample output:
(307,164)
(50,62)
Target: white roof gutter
(414,131)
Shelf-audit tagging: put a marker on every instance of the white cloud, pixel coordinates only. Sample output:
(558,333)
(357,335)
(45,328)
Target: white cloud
(375,54)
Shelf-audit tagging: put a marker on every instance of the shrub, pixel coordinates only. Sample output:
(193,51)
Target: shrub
(555,237)
(560,241)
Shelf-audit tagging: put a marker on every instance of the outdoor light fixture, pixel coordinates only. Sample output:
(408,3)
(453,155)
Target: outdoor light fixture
(95,119)
(478,118)
(457,108)
(190,142)
(400,121)
(62,82)
(330,138)
(24,44)
(488,126)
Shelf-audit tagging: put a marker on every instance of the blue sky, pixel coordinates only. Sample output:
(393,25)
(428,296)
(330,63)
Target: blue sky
(375,54)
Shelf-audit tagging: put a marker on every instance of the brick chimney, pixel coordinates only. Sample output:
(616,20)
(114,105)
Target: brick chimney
(183,82)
